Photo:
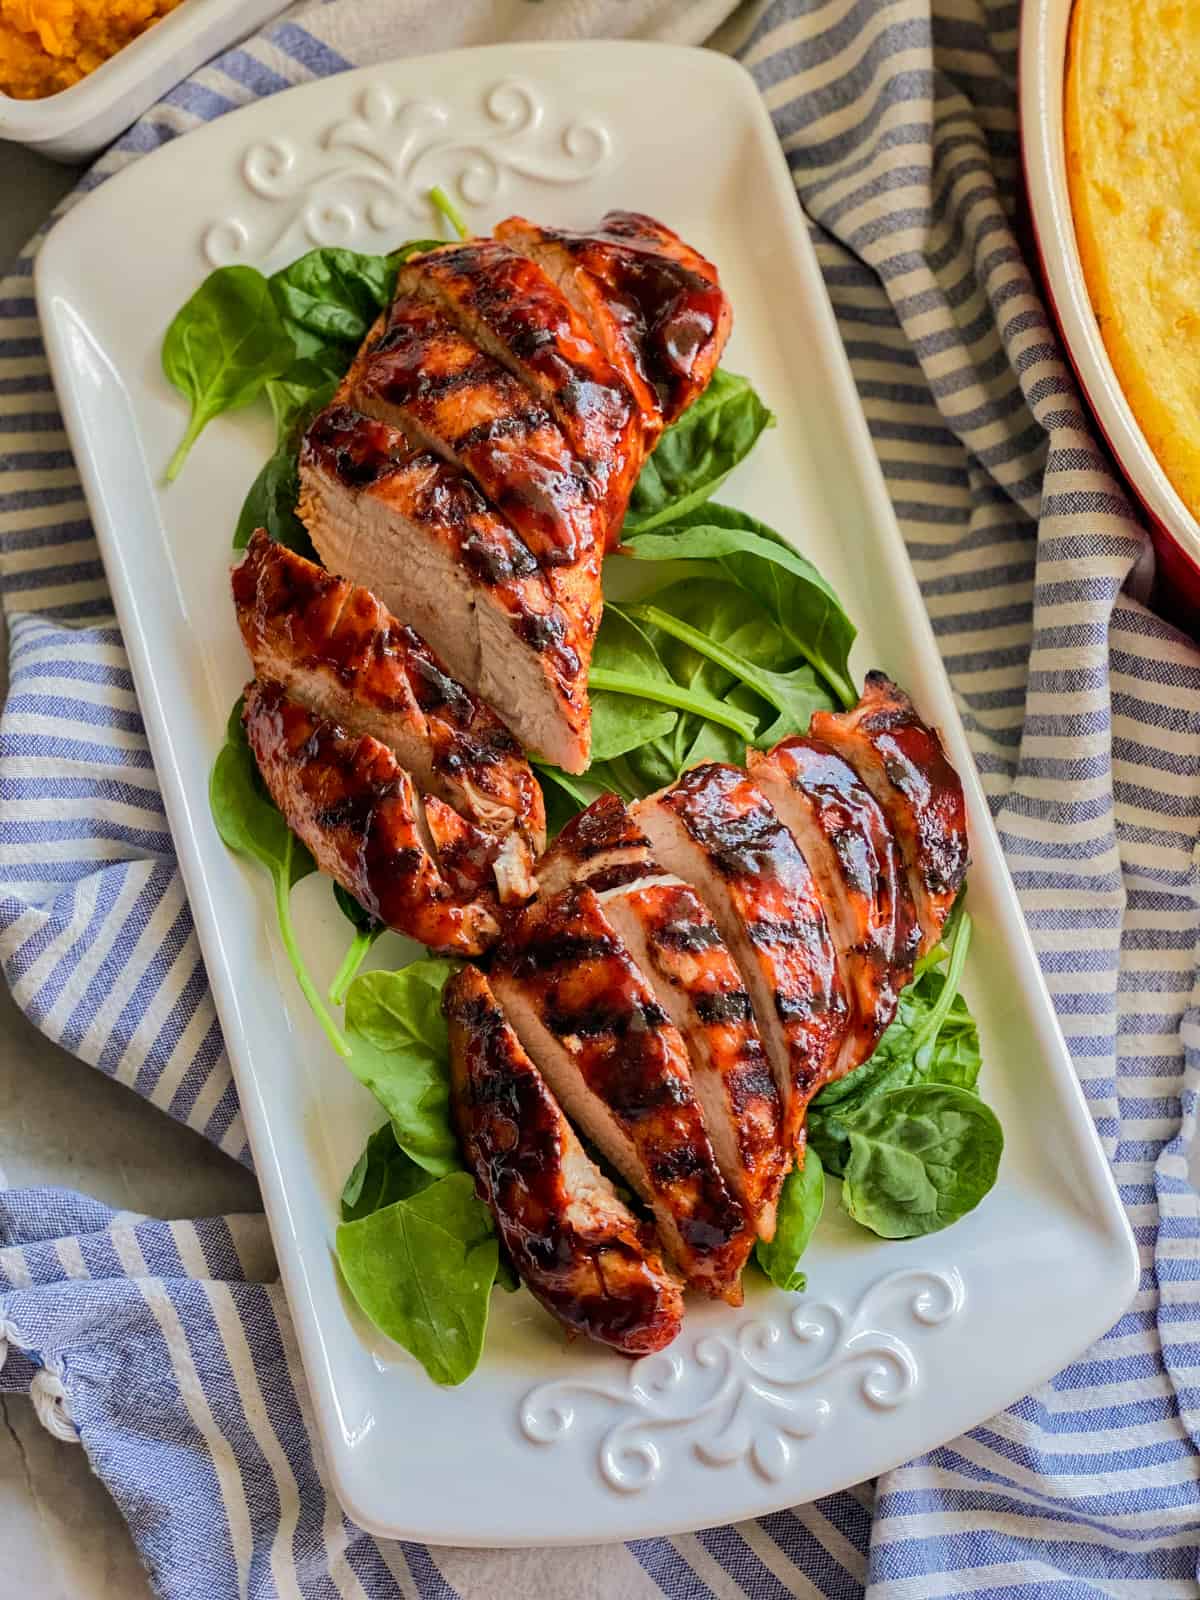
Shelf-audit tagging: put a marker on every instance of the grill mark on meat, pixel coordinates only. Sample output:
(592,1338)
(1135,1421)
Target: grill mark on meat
(661,298)
(359,814)
(577,1247)
(806,934)
(750,1083)
(733,1007)
(901,762)
(336,649)
(616,1061)
(494,565)
(667,932)
(615,876)
(629,1022)
(356,448)
(852,851)
(694,937)
(504,302)
(539,956)
(545,632)
(449,396)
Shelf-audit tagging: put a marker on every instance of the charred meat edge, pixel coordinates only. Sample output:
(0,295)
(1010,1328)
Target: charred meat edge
(359,813)
(335,649)
(676,944)
(577,1247)
(901,761)
(717,831)
(846,840)
(620,1071)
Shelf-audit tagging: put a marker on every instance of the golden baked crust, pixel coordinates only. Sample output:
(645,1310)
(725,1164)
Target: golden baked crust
(1133,161)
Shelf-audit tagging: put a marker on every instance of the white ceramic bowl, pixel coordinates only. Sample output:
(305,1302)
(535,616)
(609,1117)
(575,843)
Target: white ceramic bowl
(1176,533)
(79,121)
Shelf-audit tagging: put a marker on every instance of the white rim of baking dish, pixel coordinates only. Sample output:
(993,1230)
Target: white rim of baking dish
(151,53)
(1043,54)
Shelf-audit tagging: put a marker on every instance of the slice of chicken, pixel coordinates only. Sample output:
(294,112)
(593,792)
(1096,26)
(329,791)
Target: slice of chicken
(418,533)
(336,649)
(602,846)
(418,372)
(718,832)
(674,941)
(619,1069)
(508,306)
(360,815)
(578,1248)
(654,305)
(902,763)
(845,839)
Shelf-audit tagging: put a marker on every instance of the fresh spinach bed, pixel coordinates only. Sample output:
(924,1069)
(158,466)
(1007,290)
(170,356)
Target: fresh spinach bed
(734,639)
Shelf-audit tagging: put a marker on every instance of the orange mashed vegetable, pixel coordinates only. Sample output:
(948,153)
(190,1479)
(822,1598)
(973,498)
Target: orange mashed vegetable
(47,45)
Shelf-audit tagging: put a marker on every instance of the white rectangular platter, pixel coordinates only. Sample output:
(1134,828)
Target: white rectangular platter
(897,1347)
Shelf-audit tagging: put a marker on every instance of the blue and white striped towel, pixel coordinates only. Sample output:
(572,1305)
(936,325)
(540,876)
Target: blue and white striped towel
(167,1347)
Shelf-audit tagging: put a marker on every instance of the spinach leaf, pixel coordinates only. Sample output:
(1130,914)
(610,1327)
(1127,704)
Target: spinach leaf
(711,744)
(298,393)
(251,824)
(332,296)
(626,664)
(366,930)
(784,583)
(725,615)
(920,1158)
(800,1203)
(382,1175)
(422,1270)
(622,722)
(698,452)
(794,695)
(713,642)
(401,1052)
(271,502)
(222,347)
(931,1039)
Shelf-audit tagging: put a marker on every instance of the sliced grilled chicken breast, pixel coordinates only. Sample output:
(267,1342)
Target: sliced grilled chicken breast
(846,841)
(618,1068)
(336,649)
(603,846)
(577,1247)
(418,372)
(717,831)
(654,305)
(359,813)
(902,763)
(674,941)
(510,308)
(417,532)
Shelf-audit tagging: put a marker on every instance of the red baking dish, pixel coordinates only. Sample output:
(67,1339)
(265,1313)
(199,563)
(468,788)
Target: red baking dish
(1175,531)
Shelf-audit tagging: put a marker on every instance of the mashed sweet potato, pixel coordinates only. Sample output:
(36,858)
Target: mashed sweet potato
(47,45)
(1133,160)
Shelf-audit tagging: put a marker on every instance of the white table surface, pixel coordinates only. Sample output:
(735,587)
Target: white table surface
(61,1537)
